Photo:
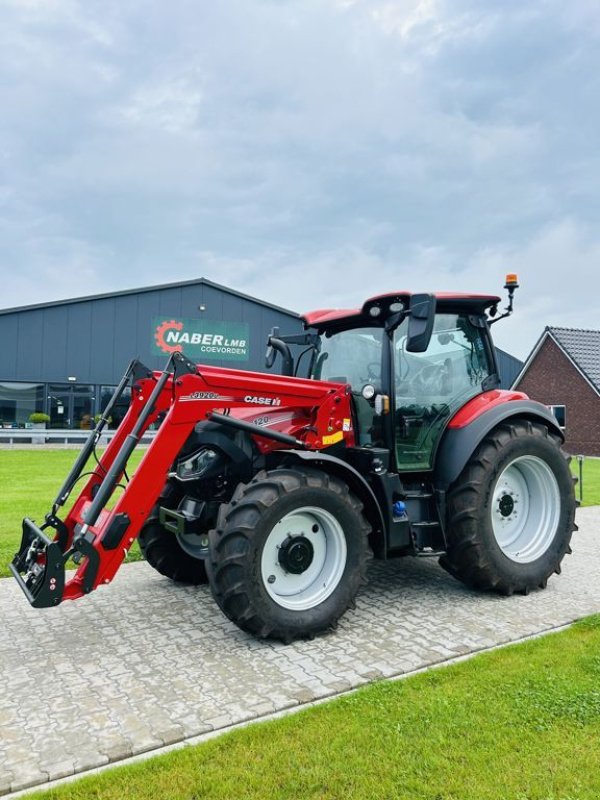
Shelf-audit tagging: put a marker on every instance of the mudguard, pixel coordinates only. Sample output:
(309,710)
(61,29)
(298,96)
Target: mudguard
(459,443)
(335,466)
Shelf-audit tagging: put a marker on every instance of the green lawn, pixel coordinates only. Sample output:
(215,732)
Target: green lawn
(29,480)
(521,723)
(591,480)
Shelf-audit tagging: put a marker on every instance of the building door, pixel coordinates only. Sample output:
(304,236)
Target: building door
(70,405)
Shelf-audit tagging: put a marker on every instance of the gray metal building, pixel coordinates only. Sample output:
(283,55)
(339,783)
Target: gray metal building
(508,367)
(64,358)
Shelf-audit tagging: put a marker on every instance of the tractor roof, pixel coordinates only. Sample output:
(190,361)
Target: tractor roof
(450,301)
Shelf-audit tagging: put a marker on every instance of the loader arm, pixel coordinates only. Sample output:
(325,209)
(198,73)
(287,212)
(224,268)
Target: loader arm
(98,539)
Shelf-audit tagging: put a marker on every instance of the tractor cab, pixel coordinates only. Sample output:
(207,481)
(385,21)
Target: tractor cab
(412,360)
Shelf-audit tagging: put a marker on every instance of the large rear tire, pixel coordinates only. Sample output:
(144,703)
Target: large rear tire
(511,511)
(162,549)
(289,554)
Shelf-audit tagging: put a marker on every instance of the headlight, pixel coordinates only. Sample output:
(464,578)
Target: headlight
(196,465)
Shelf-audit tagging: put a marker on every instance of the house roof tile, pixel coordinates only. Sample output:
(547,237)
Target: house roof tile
(583,347)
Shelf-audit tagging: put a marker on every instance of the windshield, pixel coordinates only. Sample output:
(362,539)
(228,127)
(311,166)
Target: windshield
(352,357)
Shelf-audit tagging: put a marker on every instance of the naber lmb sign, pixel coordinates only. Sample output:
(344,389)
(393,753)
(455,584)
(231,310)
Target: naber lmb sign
(202,339)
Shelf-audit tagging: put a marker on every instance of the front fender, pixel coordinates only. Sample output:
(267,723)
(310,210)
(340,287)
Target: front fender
(459,443)
(350,476)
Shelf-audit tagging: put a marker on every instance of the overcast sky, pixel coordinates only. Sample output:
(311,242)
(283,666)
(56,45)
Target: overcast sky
(308,152)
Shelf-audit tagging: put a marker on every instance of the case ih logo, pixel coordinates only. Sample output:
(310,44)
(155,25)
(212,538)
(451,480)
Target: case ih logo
(202,339)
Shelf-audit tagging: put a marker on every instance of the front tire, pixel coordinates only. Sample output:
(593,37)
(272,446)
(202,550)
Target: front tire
(163,550)
(511,511)
(289,554)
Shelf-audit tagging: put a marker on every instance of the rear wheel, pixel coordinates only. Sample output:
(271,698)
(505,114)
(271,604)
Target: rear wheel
(289,554)
(174,556)
(511,512)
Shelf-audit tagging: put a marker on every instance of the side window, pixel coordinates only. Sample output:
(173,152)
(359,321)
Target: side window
(354,357)
(560,412)
(431,386)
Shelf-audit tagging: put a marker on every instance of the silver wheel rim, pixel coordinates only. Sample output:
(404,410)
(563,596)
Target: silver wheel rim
(194,544)
(525,509)
(300,592)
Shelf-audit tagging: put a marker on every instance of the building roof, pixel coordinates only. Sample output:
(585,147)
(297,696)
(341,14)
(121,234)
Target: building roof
(143,289)
(580,345)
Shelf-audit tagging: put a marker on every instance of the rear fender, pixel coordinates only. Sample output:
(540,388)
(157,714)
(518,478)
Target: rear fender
(459,443)
(340,469)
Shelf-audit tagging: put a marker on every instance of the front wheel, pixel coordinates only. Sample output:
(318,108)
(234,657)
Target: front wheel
(289,554)
(511,512)
(175,556)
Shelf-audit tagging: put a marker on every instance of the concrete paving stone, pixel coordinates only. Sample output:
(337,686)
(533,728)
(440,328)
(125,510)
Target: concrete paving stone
(27,778)
(89,759)
(6,778)
(261,709)
(146,662)
(169,734)
(303,696)
(144,744)
(61,769)
(194,728)
(117,749)
(336,687)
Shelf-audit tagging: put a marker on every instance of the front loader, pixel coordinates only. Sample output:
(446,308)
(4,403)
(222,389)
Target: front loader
(277,489)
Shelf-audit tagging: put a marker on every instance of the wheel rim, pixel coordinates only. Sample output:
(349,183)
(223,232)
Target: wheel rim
(525,509)
(194,544)
(311,542)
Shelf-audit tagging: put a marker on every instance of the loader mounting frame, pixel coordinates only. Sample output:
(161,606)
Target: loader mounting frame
(98,539)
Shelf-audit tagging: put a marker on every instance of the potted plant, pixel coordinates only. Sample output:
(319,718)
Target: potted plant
(38,419)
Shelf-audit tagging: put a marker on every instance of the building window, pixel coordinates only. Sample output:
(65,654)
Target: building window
(18,401)
(560,412)
(119,411)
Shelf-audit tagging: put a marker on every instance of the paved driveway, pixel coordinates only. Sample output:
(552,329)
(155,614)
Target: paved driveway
(144,663)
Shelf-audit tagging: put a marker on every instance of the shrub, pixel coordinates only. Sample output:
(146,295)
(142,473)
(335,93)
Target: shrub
(39,416)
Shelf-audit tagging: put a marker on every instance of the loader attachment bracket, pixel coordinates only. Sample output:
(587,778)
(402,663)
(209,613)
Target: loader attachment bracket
(39,567)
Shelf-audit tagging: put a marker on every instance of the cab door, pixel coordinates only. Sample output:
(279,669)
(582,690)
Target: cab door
(430,387)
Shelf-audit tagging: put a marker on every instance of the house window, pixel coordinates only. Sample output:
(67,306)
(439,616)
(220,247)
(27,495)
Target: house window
(560,412)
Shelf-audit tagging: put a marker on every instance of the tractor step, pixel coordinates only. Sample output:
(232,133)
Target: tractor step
(427,535)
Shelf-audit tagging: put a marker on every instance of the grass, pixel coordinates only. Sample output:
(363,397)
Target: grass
(521,723)
(29,480)
(591,480)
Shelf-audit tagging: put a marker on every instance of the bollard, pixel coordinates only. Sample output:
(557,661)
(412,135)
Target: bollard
(580,460)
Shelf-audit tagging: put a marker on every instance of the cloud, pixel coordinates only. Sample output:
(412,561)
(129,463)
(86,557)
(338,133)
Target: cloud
(308,152)
(555,266)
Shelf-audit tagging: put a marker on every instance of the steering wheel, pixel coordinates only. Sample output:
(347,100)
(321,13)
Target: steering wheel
(434,379)
(373,371)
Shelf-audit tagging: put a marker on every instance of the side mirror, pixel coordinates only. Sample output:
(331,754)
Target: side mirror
(420,322)
(277,345)
(270,354)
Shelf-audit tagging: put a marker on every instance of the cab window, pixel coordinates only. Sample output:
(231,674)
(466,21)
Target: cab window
(430,387)
(354,357)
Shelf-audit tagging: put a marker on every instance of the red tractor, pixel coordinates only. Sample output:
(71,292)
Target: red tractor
(278,489)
